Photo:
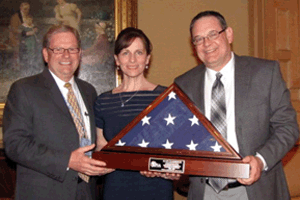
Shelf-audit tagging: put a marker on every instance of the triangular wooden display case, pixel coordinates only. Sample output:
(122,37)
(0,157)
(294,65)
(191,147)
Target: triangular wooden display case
(179,140)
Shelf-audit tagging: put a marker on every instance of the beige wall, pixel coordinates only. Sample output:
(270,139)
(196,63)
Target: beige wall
(166,23)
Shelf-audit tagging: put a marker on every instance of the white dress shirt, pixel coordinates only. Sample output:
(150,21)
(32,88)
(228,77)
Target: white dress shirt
(64,92)
(228,81)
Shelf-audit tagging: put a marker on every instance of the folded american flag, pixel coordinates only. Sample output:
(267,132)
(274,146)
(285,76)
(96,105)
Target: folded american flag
(171,125)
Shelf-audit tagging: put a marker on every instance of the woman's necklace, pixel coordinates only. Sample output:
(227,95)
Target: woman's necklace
(123,103)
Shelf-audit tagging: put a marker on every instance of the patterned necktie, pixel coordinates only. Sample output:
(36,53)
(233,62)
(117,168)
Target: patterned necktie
(77,118)
(218,119)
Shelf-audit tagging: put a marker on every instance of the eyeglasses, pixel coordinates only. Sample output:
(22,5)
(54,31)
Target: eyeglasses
(62,50)
(213,35)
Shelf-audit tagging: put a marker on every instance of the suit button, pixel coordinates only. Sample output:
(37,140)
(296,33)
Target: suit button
(75,178)
(201,180)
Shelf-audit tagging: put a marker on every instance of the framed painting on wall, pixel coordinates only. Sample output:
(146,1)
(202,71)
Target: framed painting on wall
(98,22)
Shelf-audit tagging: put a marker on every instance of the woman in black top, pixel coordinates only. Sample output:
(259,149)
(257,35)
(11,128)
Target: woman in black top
(115,109)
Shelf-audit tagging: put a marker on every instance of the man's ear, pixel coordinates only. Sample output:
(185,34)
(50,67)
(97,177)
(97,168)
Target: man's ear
(229,34)
(45,55)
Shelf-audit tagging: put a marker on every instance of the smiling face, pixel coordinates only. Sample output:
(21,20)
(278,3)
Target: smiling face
(62,65)
(215,54)
(133,59)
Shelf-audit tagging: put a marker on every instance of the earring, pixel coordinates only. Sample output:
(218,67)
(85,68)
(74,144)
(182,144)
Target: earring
(147,67)
(118,68)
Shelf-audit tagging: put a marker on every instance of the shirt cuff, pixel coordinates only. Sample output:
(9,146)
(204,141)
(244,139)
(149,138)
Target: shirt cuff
(265,167)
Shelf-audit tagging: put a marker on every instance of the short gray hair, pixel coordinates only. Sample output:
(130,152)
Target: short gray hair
(60,29)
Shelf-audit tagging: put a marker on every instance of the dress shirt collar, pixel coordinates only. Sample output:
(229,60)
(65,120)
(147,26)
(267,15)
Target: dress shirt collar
(226,71)
(60,82)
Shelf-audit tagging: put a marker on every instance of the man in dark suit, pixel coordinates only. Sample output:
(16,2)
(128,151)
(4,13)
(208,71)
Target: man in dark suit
(261,122)
(41,132)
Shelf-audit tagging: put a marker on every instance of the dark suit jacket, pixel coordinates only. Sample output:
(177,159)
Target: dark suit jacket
(265,121)
(39,135)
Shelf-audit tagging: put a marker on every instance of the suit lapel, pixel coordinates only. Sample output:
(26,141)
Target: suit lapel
(242,81)
(55,94)
(198,97)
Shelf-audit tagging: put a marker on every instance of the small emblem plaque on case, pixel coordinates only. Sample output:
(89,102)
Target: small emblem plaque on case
(166,165)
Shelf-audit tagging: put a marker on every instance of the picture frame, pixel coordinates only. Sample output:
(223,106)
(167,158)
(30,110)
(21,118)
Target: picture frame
(125,15)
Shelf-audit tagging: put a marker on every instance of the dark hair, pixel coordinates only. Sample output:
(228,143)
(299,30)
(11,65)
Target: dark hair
(60,29)
(209,13)
(127,36)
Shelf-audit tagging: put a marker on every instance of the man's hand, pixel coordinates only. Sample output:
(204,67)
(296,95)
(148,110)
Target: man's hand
(82,163)
(170,176)
(256,166)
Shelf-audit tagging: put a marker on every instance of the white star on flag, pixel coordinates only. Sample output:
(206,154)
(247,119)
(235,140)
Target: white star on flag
(143,144)
(145,120)
(194,120)
(168,145)
(170,119)
(217,147)
(192,146)
(172,95)
(120,143)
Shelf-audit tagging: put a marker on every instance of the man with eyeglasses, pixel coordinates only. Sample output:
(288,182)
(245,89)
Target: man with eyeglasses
(248,102)
(49,126)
